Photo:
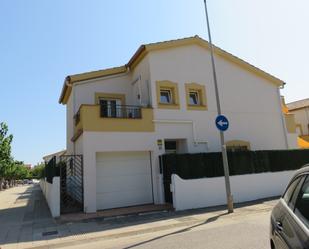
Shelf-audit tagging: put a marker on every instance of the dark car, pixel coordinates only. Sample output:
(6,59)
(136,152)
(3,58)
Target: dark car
(290,217)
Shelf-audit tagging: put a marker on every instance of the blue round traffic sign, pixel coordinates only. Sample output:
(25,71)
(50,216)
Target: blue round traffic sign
(222,123)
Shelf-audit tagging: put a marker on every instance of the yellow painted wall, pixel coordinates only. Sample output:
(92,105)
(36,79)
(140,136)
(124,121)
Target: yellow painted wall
(290,122)
(90,120)
(303,142)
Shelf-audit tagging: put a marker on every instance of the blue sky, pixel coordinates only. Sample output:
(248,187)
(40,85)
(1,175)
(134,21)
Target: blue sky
(43,41)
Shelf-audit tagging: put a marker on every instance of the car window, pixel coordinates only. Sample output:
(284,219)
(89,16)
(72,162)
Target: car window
(290,190)
(302,203)
(295,193)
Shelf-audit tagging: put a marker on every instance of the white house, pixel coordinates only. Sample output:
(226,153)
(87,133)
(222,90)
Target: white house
(163,100)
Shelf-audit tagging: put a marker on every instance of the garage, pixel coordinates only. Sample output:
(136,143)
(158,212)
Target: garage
(123,179)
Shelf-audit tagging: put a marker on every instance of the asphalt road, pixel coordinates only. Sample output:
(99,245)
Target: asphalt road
(25,219)
(239,231)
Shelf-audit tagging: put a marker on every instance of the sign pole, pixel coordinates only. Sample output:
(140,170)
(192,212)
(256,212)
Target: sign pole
(223,147)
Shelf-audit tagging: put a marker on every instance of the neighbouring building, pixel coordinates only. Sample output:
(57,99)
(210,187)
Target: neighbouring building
(28,166)
(58,154)
(163,101)
(300,109)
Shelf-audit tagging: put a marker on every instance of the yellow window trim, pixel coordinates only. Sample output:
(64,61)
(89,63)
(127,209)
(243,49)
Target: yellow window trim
(200,89)
(237,143)
(101,95)
(171,86)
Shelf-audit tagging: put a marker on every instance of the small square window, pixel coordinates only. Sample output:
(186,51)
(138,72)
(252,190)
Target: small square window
(165,97)
(194,98)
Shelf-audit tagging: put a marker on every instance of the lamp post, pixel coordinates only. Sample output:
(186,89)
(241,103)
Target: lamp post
(229,197)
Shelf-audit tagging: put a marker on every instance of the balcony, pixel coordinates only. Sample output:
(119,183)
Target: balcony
(113,118)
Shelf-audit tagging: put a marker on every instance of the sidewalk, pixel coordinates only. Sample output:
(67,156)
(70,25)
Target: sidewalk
(26,222)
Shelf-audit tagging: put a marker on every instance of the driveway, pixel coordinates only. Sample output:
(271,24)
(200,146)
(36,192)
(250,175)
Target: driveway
(25,222)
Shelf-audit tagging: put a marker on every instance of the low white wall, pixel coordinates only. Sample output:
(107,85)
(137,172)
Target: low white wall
(206,192)
(52,195)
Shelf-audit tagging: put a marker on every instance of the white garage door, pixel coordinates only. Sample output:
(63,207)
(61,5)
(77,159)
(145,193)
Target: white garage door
(123,179)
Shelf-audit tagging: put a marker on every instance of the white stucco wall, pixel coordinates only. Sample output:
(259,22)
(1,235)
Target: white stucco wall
(79,147)
(69,125)
(206,192)
(142,85)
(250,102)
(84,92)
(302,118)
(292,140)
(52,195)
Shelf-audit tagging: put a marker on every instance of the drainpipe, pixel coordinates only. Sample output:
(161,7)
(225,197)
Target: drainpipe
(282,117)
(138,80)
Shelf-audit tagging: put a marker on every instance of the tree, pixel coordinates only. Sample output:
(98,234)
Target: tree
(38,171)
(5,152)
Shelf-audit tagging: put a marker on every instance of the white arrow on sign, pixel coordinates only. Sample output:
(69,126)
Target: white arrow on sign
(222,123)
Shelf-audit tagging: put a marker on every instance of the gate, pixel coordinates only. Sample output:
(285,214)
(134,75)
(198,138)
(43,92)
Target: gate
(71,183)
(167,178)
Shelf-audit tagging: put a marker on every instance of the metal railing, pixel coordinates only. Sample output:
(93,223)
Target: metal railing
(120,111)
(71,183)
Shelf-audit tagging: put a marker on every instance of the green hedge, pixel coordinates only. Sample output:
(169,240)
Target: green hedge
(51,170)
(192,166)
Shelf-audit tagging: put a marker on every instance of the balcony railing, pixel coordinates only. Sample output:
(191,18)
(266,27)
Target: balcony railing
(120,111)
(112,118)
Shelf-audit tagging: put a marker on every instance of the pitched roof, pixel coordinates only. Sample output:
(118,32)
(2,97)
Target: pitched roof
(143,50)
(58,153)
(299,104)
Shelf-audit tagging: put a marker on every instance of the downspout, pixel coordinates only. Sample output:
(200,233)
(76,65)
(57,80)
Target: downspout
(138,81)
(69,84)
(282,117)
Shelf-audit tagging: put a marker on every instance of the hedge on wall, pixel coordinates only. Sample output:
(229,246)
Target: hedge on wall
(52,169)
(192,166)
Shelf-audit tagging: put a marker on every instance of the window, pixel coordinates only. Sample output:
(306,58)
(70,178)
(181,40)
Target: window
(165,96)
(194,98)
(294,196)
(302,203)
(110,108)
(237,145)
(290,190)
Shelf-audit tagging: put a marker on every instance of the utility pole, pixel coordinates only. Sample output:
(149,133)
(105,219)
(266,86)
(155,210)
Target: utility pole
(229,197)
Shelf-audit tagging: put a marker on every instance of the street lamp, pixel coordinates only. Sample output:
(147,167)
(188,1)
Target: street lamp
(229,197)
